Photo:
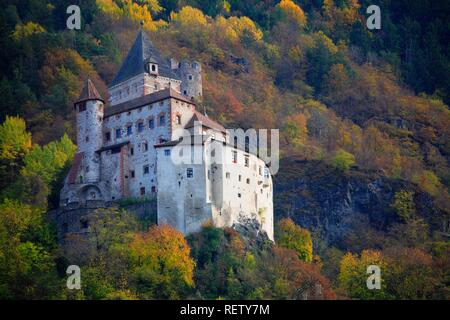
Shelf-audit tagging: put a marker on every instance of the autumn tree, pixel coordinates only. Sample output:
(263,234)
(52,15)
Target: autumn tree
(15,143)
(289,235)
(161,265)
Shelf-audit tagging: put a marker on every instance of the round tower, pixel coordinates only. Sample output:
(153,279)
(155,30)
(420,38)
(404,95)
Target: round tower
(89,108)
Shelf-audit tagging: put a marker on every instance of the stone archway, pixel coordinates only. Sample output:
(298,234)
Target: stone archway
(91,193)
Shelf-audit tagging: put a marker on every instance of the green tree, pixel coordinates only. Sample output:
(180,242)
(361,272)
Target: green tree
(342,160)
(290,236)
(15,143)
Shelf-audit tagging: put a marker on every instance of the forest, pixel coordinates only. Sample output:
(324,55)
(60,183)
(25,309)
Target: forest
(356,108)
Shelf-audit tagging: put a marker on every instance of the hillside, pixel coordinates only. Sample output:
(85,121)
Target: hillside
(364,134)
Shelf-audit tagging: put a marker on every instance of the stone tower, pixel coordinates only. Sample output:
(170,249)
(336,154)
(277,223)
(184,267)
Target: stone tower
(89,108)
(190,74)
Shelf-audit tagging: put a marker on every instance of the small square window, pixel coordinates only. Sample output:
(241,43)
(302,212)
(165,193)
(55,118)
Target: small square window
(248,181)
(167,152)
(151,123)
(227,175)
(162,120)
(118,133)
(140,126)
(108,136)
(189,173)
(129,130)
(87,138)
(146,169)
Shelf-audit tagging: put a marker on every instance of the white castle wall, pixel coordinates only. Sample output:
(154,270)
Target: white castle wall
(214,193)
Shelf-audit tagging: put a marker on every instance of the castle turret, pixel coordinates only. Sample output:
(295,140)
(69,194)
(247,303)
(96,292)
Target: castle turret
(89,108)
(190,74)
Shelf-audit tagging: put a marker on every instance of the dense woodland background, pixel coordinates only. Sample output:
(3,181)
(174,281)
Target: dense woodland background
(364,124)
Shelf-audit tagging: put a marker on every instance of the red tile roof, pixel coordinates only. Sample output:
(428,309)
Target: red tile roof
(205,121)
(89,92)
(73,173)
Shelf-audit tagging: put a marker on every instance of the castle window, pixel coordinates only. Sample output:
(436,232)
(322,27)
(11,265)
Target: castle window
(185,92)
(247,161)
(235,142)
(144,146)
(129,130)
(153,189)
(132,174)
(82,106)
(234,156)
(151,123)
(240,178)
(140,126)
(87,168)
(167,152)
(118,133)
(146,169)
(142,191)
(209,174)
(189,173)
(131,151)
(81,179)
(190,77)
(153,67)
(178,119)
(87,138)
(84,224)
(260,170)
(162,120)
(227,175)
(247,144)
(239,195)
(248,181)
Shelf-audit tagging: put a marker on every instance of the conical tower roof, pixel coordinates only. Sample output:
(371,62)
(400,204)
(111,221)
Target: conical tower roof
(141,51)
(89,92)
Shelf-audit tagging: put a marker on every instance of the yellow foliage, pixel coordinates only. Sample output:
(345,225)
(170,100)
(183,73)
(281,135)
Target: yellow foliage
(23,31)
(189,17)
(293,12)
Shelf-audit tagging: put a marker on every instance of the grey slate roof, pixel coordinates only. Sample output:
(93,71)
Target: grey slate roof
(133,64)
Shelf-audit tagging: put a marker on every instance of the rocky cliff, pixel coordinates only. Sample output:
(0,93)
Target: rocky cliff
(335,205)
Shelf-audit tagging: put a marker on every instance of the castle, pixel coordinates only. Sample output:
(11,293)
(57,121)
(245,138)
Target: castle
(129,148)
